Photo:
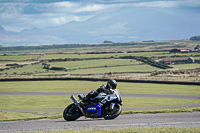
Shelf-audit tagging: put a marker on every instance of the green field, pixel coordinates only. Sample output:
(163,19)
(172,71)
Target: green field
(3,64)
(86,67)
(88,56)
(117,65)
(19,57)
(117,61)
(94,63)
(76,56)
(38,102)
(60,102)
(186,66)
(141,68)
(26,70)
(86,86)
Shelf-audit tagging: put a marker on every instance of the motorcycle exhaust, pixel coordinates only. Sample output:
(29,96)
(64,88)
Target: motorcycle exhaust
(74,99)
(77,104)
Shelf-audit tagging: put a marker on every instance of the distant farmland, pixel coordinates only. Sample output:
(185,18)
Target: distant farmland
(117,60)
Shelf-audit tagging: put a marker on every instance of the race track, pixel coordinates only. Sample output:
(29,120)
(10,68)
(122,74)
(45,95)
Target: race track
(123,121)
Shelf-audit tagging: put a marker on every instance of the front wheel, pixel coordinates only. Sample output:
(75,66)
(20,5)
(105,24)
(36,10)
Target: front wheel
(112,113)
(71,113)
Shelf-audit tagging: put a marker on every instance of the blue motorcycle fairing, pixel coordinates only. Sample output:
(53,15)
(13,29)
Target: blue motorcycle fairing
(95,108)
(98,107)
(112,105)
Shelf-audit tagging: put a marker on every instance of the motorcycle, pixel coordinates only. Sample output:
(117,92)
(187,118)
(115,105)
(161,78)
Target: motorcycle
(102,106)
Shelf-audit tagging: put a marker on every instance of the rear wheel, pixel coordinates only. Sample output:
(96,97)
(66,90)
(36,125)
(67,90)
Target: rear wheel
(71,113)
(112,113)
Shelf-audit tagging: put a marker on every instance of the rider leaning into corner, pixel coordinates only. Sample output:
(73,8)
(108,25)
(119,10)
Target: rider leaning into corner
(105,102)
(105,88)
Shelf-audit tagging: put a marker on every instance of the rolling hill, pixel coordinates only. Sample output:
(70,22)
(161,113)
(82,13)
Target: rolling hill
(122,25)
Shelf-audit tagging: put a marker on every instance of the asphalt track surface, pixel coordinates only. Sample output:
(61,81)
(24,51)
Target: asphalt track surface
(123,121)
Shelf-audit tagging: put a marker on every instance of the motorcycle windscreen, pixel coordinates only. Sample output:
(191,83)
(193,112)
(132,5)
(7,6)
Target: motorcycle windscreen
(119,96)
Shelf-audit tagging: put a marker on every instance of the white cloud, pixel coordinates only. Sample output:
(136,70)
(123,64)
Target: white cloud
(59,20)
(65,4)
(76,18)
(91,8)
(189,3)
(168,3)
(19,15)
(157,4)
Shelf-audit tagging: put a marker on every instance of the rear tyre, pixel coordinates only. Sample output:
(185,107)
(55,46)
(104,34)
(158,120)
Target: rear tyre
(112,114)
(71,113)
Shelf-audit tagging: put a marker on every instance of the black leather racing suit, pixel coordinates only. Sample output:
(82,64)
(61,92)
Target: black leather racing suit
(94,93)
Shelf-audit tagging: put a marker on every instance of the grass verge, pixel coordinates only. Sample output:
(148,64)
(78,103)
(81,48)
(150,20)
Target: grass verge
(133,130)
(16,116)
(87,86)
(57,102)
(167,110)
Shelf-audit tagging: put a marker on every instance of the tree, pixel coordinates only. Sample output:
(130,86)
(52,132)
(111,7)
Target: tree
(107,41)
(195,38)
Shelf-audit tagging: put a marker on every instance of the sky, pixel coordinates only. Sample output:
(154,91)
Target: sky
(17,15)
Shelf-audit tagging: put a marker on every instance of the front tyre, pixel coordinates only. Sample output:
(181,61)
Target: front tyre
(112,113)
(71,113)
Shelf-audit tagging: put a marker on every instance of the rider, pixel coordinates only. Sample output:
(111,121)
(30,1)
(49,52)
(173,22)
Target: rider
(105,88)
